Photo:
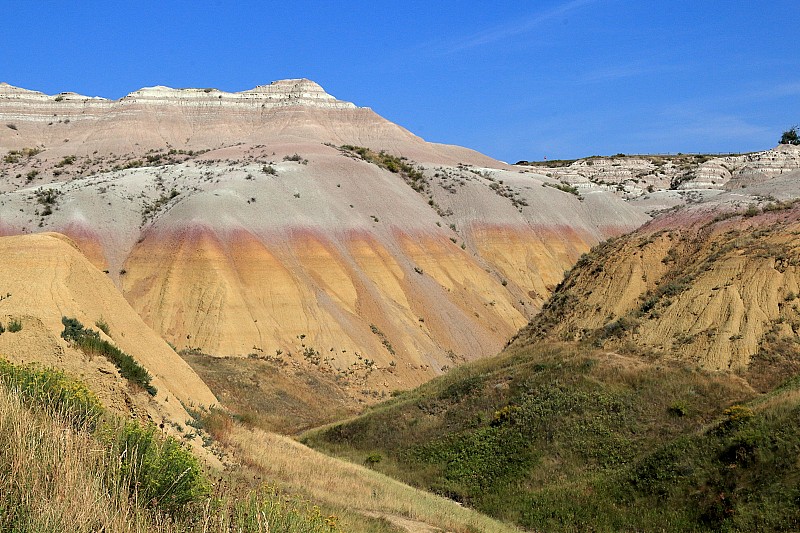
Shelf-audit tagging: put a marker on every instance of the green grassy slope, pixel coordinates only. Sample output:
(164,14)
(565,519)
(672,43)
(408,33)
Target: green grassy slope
(558,437)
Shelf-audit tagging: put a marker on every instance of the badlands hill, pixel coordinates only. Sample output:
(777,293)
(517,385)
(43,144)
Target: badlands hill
(294,228)
(44,277)
(712,284)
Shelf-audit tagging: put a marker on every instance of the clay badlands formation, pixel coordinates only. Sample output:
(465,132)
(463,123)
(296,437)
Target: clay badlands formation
(254,224)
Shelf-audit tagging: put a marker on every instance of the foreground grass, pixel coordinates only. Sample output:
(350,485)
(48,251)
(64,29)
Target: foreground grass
(51,477)
(350,488)
(560,438)
(66,465)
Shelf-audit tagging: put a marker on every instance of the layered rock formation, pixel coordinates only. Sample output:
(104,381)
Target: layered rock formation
(45,277)
(634,177)
(237,224)
(713,284)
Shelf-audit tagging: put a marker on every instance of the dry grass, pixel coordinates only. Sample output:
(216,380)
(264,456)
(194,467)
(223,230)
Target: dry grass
(51,477)
(57,476)
(288,402)
(348,486)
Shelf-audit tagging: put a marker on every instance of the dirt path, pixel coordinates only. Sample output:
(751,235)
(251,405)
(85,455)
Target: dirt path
(405,523)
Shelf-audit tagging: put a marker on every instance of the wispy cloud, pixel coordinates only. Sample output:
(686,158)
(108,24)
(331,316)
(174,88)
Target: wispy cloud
(694,128)
(745,98)
(506,31)
(776,91)
(631,70)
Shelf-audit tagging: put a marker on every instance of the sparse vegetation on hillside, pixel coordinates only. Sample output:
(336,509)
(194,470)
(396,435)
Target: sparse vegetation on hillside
(151,209)
(564,187)
(47,198)
(413,176)
(296,158)
(89,342)
(547,163)
(557,438)
(14,156)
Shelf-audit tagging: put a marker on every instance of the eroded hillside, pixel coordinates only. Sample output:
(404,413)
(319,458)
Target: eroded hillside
(291,227)
(44,278)
(714,285)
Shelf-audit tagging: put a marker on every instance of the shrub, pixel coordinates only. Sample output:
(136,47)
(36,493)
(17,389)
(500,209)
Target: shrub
(735,417)
(790,136)
(90,343)
(679,409)
(14,325)
(159,471)
(102,325)
(68,160)
(53,391)
(47,196)
(373,459)
(564,187)
(751,211)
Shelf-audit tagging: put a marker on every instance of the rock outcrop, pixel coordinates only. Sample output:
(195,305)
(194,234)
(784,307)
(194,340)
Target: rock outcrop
(634,177)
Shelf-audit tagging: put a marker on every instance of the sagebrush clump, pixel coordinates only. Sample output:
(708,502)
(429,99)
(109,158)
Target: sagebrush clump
(89,342)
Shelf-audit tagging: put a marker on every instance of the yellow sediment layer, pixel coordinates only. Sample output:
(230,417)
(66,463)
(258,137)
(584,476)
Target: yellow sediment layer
(240,294)
(44,277)
(534,260)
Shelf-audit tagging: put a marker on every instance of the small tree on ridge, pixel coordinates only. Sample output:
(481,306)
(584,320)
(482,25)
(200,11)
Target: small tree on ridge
(790,136)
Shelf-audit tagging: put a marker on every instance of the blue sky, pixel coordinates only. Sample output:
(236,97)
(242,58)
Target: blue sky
(515,80)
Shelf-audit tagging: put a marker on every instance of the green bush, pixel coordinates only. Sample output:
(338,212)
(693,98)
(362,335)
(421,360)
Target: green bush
(158,471)
(102,325)
(373,459)
(89,342)
(735,417)
(53,391)
(14,325)
(790,136)
(679,409)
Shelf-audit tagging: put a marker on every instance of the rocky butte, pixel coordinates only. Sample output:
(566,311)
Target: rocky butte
(283,224)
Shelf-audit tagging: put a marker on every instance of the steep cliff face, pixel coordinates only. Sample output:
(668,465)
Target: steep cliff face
(713,284)
(283,223)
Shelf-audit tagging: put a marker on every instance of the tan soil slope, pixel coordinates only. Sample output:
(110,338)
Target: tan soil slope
(713,285)
(44,277)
